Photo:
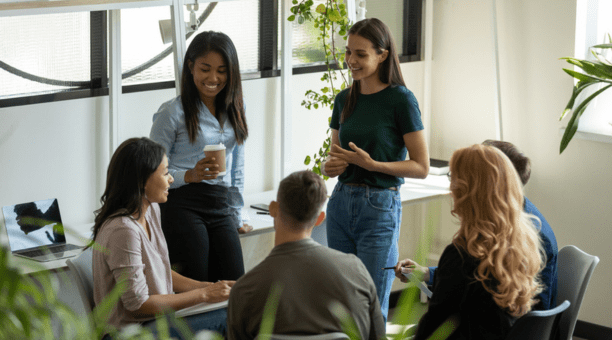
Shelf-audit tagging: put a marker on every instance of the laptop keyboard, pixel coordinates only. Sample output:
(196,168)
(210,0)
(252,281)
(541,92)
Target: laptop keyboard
(58,249)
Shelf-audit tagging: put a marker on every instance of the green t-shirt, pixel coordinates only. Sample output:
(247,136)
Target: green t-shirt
(378,125)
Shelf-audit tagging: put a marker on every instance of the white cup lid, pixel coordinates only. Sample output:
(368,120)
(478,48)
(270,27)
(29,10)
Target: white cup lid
(214,147)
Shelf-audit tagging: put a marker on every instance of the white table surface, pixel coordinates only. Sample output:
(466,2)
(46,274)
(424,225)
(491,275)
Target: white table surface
(414,191)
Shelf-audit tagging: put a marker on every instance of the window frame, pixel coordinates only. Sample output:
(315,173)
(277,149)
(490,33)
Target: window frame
(410,50)
(587,35)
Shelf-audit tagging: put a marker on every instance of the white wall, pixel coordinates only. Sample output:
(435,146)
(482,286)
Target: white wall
(572,190)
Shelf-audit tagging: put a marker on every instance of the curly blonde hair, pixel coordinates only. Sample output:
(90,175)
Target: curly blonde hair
(488,200)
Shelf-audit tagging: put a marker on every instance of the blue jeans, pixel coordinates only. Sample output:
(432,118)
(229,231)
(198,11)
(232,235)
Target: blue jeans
(215,320)
(365,221)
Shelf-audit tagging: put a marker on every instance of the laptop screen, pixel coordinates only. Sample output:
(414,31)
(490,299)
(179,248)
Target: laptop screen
(33,224)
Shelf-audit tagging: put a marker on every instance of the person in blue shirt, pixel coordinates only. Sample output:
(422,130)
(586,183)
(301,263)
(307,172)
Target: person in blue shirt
(374,124)
(202,217)
(548,276)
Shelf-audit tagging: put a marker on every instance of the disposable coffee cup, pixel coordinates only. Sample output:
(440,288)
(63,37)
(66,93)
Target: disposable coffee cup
(217,151)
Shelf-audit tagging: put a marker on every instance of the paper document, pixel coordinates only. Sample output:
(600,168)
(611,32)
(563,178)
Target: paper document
(201,308)
(422,286)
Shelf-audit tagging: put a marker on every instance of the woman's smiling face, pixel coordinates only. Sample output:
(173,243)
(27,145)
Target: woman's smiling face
(158,184)
(209,74)
(362,58)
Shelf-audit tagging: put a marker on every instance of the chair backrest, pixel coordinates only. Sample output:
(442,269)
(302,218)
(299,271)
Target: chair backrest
(327,336)
(574,268)
(538,325)
(82,274)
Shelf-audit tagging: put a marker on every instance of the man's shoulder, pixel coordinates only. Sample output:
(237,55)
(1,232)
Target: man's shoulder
(545,230)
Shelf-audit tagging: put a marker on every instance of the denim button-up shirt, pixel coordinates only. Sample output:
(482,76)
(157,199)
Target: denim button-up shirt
(169,130)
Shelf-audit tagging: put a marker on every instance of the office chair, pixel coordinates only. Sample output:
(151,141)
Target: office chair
(538,325)
(327,336)
(574,268)
(82,274)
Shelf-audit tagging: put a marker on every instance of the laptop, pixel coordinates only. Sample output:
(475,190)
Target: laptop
(35,231)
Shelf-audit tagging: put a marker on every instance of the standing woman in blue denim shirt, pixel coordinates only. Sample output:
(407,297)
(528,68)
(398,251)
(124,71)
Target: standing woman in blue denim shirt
(201,219)
(374,124)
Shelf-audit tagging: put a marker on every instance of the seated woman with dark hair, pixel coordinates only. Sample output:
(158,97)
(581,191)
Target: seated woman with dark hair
(488,276)
(134,249)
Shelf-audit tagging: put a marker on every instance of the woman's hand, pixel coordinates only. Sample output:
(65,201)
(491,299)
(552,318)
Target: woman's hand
(408,266)
(217,292)
(334,166)
(357,157)
(245,228)
(204,169)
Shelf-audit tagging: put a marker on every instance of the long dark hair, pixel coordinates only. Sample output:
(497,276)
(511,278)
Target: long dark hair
(389,72)
(134,161)
(229,100)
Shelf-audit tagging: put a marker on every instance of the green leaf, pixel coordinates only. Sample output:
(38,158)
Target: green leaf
(307,160)
(601,58)
(572,126)
(269,313)
(596,69)
(335,16)
(576,91)
(602,46)
(294,2)
(347,322)
(291,18)
(325,89)
(320,9)
(301,19)
(581,76)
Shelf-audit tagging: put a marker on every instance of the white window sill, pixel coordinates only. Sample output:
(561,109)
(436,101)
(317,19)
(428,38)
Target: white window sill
(592,136)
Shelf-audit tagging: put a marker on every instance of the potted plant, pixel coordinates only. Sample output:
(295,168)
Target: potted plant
(599,73)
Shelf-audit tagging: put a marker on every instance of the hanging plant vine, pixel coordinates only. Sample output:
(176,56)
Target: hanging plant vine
(331,19)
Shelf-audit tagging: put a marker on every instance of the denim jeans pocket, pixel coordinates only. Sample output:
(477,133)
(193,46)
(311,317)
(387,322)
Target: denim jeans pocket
(335,192)
(383,200)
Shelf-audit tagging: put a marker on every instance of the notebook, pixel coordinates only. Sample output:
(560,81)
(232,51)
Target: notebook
(35,231)
(201,308)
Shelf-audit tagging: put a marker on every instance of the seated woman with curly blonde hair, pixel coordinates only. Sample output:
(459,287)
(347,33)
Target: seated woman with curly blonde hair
(488,276)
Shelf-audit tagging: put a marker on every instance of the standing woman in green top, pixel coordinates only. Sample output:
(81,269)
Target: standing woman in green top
(375,122)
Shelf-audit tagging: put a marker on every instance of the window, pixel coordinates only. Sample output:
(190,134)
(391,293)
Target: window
(65,56)
(141,41)
(593,24)
(44,55)
(402,16)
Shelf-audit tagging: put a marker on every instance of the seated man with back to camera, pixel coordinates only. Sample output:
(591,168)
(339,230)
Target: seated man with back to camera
(311,277)
(548,297)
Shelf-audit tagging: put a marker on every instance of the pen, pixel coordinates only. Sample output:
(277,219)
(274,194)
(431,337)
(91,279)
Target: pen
(410,266)
(263,213)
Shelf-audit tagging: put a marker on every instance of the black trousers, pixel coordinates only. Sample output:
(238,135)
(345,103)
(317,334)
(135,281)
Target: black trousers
(200,222)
